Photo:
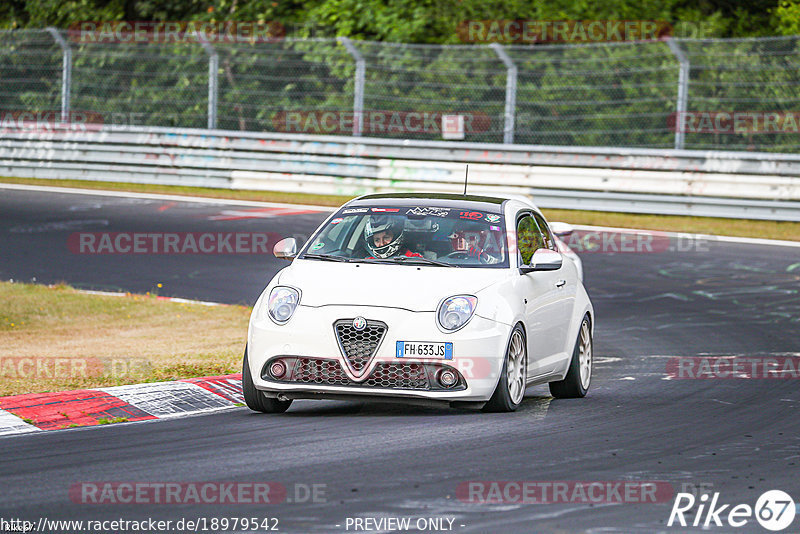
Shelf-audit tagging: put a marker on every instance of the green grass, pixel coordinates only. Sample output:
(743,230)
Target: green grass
(110,421)
(697,225)
(788,231)
(56,338)
(235,194)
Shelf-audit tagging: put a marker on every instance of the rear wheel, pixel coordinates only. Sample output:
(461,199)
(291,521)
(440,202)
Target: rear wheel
(255,399)
(513,378)
(579,376)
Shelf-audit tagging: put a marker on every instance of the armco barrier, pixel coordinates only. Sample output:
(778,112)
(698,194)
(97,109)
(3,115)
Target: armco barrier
(725,184)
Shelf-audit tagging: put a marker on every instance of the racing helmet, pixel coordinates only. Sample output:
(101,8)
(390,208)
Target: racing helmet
(384,223)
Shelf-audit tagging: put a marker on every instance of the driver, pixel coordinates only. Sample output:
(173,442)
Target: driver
(471,244)
(384,236)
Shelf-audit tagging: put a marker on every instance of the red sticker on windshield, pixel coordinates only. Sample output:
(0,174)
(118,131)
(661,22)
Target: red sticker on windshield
(471,215)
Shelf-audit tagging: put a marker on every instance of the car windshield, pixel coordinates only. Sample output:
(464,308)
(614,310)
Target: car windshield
(412,235)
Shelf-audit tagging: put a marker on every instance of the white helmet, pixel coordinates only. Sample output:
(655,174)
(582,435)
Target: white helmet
(384,223)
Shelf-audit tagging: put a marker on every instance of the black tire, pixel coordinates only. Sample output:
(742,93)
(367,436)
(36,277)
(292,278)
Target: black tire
(255,399)
(572,387)
(501,400)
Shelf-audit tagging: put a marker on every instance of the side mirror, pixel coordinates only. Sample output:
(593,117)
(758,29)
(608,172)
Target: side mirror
(285,249)
(561,229)
(543,259)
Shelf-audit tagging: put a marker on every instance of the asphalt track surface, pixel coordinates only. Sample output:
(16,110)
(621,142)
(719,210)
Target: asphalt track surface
(738,437)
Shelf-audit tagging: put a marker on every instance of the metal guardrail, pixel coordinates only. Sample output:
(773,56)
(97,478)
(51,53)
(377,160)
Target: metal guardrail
(722,184)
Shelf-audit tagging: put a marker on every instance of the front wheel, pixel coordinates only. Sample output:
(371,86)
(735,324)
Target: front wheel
(255,399)
(513,378)
(579,376)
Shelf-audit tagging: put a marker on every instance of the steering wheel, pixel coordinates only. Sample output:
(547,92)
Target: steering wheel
(458,255)
(483,258)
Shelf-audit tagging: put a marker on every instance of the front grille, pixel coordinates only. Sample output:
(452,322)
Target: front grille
(311,371)
(359,346)
(398,376)
(330,373)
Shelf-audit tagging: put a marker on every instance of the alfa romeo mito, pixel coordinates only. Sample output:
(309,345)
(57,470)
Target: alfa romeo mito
(461,299)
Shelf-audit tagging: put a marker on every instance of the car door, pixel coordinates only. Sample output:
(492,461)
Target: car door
(541,298)
(566,282)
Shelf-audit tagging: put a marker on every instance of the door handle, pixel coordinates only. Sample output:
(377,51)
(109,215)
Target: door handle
(561,283)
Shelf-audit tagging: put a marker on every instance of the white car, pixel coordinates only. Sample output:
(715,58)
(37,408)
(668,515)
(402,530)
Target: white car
(456,298)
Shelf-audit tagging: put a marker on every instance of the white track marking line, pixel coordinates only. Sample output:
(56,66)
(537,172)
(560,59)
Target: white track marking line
(231,202)
(155,196)
(11,424)
(169,399)
(171,299)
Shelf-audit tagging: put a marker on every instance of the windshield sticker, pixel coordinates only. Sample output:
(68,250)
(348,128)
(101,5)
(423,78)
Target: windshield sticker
(471,215)
(356,210)
(492,218)
(433,212)
(318,246)
(337,220)
(494,228)
(385,210)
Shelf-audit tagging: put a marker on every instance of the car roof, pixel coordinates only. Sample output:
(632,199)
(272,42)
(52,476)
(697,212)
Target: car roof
(444,200)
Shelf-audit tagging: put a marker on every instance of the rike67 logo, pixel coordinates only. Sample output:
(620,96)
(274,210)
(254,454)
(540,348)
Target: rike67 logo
(774,510)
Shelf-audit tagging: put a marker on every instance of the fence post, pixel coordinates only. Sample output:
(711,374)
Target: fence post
(358,89)
(683,92)
(511,93)
(66,72)
(213,73)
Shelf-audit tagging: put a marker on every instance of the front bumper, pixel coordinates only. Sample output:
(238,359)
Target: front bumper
(478,352)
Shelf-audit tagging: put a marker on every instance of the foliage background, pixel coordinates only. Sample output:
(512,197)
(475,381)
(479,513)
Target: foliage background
(418,21)
(620,95)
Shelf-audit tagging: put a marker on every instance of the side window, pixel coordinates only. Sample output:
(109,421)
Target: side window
(549,242)
(529,239)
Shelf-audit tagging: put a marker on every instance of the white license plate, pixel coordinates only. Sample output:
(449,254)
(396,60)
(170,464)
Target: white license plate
(424,349)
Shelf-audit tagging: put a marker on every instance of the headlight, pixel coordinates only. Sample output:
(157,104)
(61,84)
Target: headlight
(455,312)
(282,302)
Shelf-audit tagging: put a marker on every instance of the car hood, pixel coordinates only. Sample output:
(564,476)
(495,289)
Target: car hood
(412,287)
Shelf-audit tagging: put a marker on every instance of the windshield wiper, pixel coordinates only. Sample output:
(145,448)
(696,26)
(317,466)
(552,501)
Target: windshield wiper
(398,259)
(371,260)
(325,257)
(421,259)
